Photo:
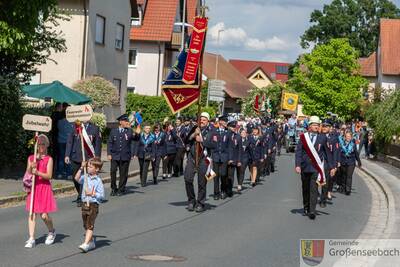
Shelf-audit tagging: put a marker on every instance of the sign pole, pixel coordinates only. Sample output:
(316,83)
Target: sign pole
(33,177)
(85,186)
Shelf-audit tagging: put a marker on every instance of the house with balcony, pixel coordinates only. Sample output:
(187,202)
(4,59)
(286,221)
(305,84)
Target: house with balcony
(97,41)
(155,42)
(262,73)
(382,67)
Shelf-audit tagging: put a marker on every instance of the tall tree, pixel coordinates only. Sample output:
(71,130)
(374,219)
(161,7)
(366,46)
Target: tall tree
(357,20)
(328,80)
(27,38)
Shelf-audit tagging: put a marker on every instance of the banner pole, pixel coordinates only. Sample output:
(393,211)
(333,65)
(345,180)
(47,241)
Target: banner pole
(33,177)
(83,159)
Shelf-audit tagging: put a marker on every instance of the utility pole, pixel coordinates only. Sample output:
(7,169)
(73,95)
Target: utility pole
(216,63)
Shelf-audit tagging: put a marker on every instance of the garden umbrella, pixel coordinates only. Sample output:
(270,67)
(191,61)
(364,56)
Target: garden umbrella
(57,91)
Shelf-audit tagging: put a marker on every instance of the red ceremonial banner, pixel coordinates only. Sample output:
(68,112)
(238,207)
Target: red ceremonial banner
(179,99)
(195,50)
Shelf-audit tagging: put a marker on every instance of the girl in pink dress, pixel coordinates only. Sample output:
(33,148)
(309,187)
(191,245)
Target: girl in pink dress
(44,201)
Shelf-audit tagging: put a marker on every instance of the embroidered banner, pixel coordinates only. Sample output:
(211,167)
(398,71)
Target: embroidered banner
(195,50)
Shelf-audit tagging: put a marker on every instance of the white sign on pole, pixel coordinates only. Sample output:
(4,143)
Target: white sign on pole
(216,83)
(217,88)
(36,123)
(217,93)
(82,113)
(217,98)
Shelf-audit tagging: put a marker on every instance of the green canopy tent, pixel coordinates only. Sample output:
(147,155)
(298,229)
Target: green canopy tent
(57,91)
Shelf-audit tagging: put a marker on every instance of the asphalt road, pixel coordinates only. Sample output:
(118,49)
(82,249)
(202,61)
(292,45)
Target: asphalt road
(260,227)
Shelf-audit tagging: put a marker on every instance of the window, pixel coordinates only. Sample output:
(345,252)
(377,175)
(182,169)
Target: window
(258,77)
(119,38)
(282,69)
(131,89)
(132,61)
(137,21)
(100,29)
(117,83)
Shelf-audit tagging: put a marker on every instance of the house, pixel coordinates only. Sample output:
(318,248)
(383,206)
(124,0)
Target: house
(237,86)
(97,41)
(155,42)
(262,73)
(382,68)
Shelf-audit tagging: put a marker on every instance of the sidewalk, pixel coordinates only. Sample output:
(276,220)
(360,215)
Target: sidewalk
(11,190)
(388,177)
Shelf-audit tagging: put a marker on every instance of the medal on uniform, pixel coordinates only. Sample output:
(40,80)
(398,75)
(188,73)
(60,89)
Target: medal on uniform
(126,137)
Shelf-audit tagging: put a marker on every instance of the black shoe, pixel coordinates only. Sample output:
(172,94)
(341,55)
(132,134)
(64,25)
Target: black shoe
(305,212)
(143,184)
(120,193)
(230,194)
(311,216)
(79,203)
(348,193)
(322,205)
(223,195)
(113,192)
(217,196)
(190,207)
(253,184)
(155,181)
(200,208)
(175,175)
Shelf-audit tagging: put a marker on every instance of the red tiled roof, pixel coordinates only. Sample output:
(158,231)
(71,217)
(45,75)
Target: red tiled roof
(390,46)
(158,21)
(191,12)
(247,67)
(237,85)
(368,65)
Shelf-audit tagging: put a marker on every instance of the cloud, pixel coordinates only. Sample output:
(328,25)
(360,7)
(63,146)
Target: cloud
(237,37)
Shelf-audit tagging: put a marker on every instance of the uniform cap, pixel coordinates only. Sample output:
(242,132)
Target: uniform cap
(123,117)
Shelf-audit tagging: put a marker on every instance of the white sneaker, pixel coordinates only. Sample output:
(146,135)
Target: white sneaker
(30,243)
(51,236)
(84,247)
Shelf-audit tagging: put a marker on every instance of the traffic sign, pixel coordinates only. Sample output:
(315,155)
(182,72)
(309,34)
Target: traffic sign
(217,98)
(82,113)
(36,123)
(217,93)
(216,83)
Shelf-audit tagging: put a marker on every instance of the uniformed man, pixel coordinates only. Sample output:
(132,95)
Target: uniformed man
(73,152)
(205,136)
(333,149)
(312,149)
(159,151)
(180,147)
(220,159)
(119,152)
(233,156)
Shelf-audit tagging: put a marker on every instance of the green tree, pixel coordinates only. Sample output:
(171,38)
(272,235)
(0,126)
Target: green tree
(383,117)
(102,92)
(328,80)
(27,38)
(273,92)
(357,20)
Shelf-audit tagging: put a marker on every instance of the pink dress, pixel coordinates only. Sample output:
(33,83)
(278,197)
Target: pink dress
(43,199)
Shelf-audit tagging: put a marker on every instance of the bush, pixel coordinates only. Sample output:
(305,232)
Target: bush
(99,119)
(383,117)
(153,108)
(102,92)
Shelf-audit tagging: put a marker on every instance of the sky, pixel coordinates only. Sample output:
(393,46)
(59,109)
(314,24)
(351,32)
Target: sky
(266,30)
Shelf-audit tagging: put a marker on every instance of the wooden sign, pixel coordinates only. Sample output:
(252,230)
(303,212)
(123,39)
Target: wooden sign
(81,113)
(36,123)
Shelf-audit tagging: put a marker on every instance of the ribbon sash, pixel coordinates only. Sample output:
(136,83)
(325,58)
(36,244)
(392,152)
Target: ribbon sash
(315,159)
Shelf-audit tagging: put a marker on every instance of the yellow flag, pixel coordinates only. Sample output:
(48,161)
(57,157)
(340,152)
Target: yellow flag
(289,101)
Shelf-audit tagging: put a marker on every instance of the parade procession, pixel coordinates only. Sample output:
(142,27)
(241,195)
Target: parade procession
(176,132)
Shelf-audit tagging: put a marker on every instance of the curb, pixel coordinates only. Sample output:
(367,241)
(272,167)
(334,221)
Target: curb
(390,202)
(57,191)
